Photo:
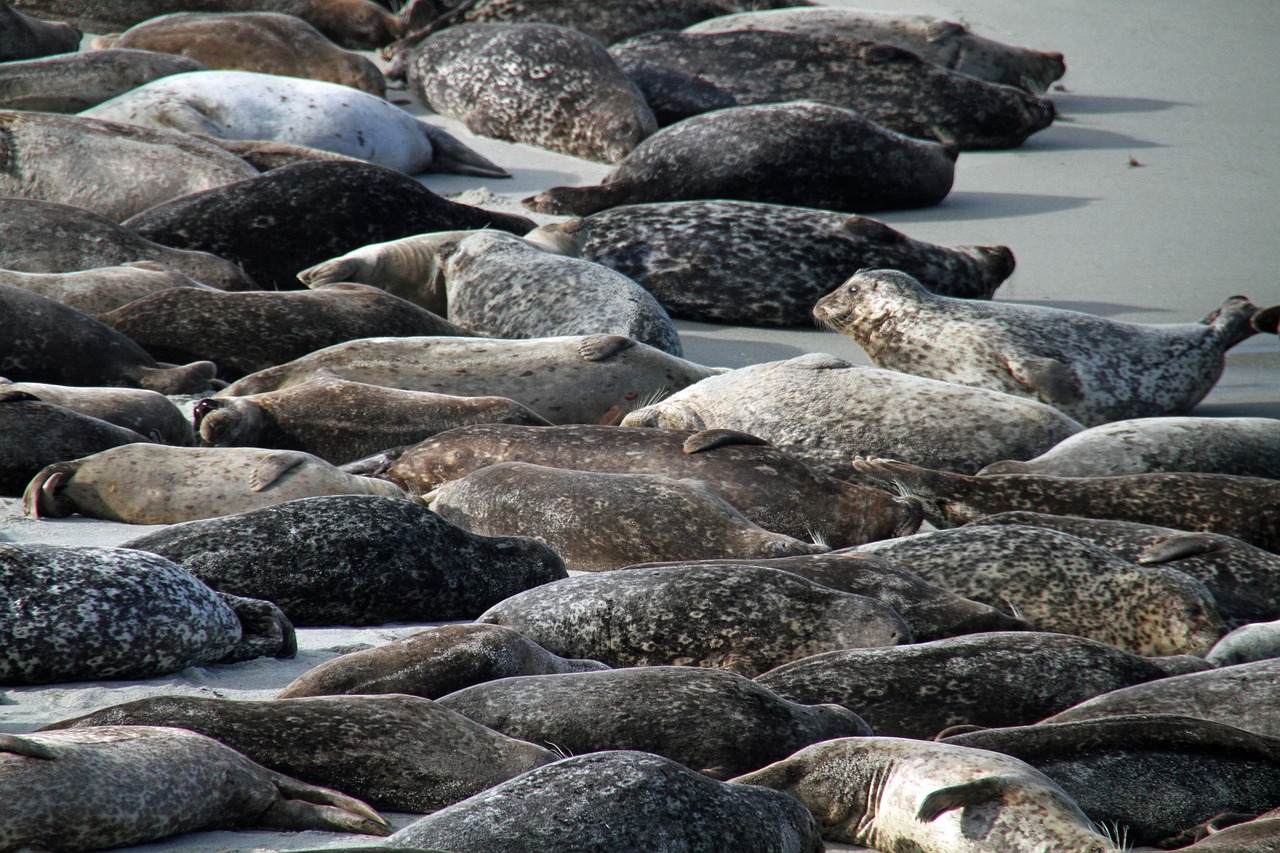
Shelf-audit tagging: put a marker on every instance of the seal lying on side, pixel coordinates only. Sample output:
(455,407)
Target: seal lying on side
(72,82)
(1093,369)
(147,413)
(761,264)
(24,37)
(818,156)
(97,291)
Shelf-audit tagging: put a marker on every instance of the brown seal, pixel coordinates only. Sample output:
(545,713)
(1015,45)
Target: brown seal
(95,291)
(70,82)
(148,413)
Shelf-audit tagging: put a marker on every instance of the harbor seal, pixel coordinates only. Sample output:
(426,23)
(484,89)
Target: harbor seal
(393,560)
(745,619)
(1248,643)
(777,261)
(70,82)
(541,84)
(817,155)
(1093,369)
(25,37)
(148,413)
(96,291)
(824,411)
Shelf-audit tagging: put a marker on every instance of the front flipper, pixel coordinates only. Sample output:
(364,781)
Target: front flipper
(1178,547)
(272,468)
(1049,378)
(986,790)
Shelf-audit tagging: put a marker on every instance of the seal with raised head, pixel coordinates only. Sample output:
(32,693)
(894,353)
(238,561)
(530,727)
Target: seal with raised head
(1091,368)
(96,291)
(775,260)
(800,153)
(825,411)
(25,37)
(148,413)
(71,82)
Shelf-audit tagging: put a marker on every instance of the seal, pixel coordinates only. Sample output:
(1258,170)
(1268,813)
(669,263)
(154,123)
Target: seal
(97,291)
(265,42)
(45,341)
(616,801)
(341,421)
(824,411)
(709,720)
(545,85)
(891,87)
(80,613)
(145,783)
(147,413)
(767,486)
(1004,678)
(574,379)
(312,113)
(900,794)
(777,261)
(1057,582)
(157,484)
(799,153)
(296,216)
(1094,369)
(434,663)
(1233,833)
(748,619)
(70,82)
(25,37)
(1248,643)
(393,752)
(393,560)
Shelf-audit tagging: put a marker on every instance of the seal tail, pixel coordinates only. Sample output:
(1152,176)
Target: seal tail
(450,155)
(1236,319)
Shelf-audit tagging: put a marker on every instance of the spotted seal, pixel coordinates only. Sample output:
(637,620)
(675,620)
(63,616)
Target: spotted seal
(1091,368)
(1248,643)
(745,619)
(25,37)
(992,679)
(147,413)
(542,84)
(70,82)
(776,260)
(95,291)
(818,156)
(393,560)
(825,410)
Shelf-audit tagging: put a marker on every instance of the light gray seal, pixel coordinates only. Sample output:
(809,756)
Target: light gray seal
(96,291)
(761,264)
(541,84)
(745,619)
(800,153)
(85,613)
(112,786)
(147,413)
(990,680)
(1091,368)
(1248,643)
(825,411)
(71,82)
(25,37)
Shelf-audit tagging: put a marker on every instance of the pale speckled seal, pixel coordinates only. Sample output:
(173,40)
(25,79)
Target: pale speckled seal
(83,613)
(1092,368)
(800,153)
(435,663)
(147,413)
(403,753)
(1248,643)
(745,619)
(114,786)
(761,264)
(68,83)
(355,560)
(96,291)
(610,801)
(25,37)
(994,679)
(825,410)
(542,84)
(158,484)
(909,795)
(709,720)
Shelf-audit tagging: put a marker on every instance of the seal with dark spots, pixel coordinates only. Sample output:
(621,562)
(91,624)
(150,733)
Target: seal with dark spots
(742,618)
(148,413)
(825,411)
(542,84)
(72,82)
(800,153)
(115,786)
(776,261)
(84,613)
(902,794)
(770,488)
(356,560)
(890,86)
(1091,368)
(25,37)
(995,679)
(294,217)
(96,291)
(434,663)
(403,753)
(1248,643)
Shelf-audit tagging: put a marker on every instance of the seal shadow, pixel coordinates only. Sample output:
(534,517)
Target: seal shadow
(1260,409)
(969,204)
(1070,104)
(1065,135)
(708,349)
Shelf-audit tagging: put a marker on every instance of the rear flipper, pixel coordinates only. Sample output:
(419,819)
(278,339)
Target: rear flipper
(301,806)
(265,630)
(450,155)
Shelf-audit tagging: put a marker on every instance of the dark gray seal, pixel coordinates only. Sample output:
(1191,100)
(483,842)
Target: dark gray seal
(762,264)
(742,618)
(83,613)
(25,37)
(1091,368)
(434,663)
(147,413)
(800,153)
(542,84)
(97,291)
(72,82)
(392,560)
(611,801)
(403,753)
(709,720)
(995,679)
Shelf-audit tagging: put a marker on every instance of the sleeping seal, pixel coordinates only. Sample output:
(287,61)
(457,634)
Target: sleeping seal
(71,82)
(96,291)
(148,413)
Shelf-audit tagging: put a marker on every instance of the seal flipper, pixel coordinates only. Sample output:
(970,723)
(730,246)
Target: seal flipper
(450,155)
(301,806)
(1267,320)
(187,379)
(265,630)
(42,498)
(1049,377)
(272,468)
(1177,548)
(979,791)
(17,745)
(872,229)
(710,439)
(603,347)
